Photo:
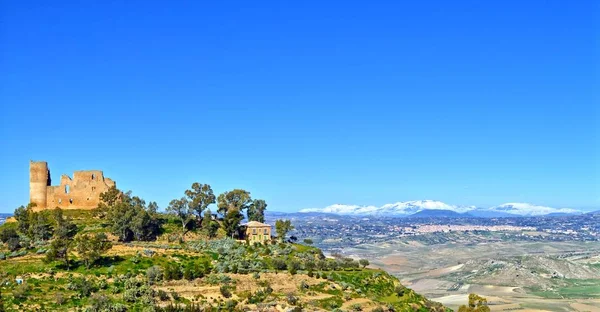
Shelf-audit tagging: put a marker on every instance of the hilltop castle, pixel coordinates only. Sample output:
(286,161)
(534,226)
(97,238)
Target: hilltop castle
(81,192)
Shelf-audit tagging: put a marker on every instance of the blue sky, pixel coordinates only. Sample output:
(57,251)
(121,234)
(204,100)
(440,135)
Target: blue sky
(306,103)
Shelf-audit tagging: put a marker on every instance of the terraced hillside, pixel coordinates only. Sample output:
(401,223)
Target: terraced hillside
(193,274)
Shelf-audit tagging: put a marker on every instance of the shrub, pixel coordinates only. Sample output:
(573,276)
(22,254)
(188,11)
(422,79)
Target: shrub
(14,243)
(162,295)
(279,264)
(59,298)
(83,286)
(20,292)
(291,299)
(99,303)
(172,271)
(399,290)
(303,285)
(154,274)
(225,292)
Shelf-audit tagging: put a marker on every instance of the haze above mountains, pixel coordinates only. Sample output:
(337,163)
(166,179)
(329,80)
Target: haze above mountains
(433,208)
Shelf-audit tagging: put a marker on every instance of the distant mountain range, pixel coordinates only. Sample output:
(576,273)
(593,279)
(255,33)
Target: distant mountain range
(433,208)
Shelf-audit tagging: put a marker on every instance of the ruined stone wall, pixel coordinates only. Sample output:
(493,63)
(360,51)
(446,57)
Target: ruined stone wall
(81,192)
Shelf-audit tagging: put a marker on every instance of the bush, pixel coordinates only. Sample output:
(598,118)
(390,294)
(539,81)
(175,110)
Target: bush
(172,271)
(14,243)
(399,290)
(225,292)
(83,286)
(20,292)
(291,299)
(162,295)
(154,274)
(59,298)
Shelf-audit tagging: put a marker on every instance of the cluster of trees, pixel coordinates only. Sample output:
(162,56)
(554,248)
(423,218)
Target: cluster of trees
(52,230)
(476,304)
(130,218)
(192,210)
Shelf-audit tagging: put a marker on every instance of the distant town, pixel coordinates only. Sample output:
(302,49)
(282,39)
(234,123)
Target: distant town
(336,231)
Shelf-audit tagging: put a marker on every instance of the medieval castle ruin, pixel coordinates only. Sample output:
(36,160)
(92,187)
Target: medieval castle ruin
(81,192)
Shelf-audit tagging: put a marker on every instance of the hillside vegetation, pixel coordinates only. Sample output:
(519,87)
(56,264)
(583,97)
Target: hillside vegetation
(125,256)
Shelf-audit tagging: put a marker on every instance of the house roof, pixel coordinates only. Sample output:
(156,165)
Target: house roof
(256,224)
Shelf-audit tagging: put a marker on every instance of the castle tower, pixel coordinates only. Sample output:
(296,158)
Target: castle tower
(39,179)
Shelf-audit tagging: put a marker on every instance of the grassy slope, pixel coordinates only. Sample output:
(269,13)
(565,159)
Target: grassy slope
(50,283)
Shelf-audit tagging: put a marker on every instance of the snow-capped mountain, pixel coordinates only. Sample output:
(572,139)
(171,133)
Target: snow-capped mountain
(525,209)
(399,208)
(412,207)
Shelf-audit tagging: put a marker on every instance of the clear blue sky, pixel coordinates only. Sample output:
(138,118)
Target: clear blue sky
(306,103)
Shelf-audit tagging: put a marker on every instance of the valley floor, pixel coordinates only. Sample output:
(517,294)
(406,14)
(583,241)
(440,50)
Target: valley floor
(513,275)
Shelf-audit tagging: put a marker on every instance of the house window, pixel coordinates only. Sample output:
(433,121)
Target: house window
(66,189)
(253,231)
(265,231)
(70,200)
(93,176)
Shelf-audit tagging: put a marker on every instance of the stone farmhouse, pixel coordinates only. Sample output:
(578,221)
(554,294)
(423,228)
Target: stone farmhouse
(257,232)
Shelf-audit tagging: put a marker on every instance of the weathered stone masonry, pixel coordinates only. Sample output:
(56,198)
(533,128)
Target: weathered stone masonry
(81,192)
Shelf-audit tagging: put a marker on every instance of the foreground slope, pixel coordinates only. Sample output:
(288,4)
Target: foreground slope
(197,274)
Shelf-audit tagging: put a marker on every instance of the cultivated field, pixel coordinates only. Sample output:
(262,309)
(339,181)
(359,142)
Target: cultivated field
(513,275)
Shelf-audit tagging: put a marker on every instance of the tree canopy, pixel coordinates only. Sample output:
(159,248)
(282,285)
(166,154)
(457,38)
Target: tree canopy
(236,199)
(256,210)
(282,227)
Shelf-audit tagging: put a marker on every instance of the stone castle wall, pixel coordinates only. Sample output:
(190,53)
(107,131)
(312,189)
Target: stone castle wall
(81,192)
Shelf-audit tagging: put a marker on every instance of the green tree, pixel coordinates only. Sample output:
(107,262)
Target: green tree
(152,208)
(236,199)
(130,218)
(40,226)
(62,239)
(8,232)
(231,222)
(120,217)
(282,227)
(256,210)
(181,209)
(144,226)
(209,226)
(476,304)
(23,217)
(91,247)
(111,196)
(363,262)
(199,197)
(59,250)
(63,227)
